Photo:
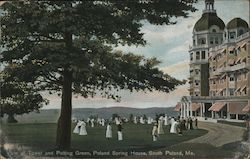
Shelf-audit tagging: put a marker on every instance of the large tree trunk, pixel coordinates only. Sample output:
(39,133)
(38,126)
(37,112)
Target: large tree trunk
(63,140)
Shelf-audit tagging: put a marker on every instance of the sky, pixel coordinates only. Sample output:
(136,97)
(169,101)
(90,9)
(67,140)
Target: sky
(170,44)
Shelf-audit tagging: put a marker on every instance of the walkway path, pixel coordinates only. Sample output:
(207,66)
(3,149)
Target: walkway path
(218,134)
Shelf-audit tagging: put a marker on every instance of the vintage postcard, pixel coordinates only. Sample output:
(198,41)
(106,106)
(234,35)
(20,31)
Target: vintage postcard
(148,79)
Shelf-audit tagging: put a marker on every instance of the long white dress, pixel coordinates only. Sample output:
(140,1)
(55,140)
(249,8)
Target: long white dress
(142,120)
(160,128)
(83,130)
(155,133)
(172,121)
(103,122)
(173,128)
(77,128)
(135,120)
(92,122)
(166,121)
(109,131)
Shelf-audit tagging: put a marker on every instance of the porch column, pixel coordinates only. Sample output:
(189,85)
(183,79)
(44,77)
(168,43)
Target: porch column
(237,116)
(212,114)
(181,109)
(201,111)
(203,108)
(191,110)
(184,104)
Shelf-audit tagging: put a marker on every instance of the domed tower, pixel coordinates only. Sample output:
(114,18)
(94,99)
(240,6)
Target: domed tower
(207,33)
(235,28)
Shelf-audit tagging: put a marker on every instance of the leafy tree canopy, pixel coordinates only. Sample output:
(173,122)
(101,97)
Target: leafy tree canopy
(18,97)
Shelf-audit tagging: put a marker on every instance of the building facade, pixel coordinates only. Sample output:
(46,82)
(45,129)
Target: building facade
(219,68)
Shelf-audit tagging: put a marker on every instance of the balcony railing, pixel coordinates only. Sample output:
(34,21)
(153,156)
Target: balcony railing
(209,98)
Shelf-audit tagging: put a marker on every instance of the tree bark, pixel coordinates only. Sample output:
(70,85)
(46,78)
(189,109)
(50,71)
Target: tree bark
(63,140)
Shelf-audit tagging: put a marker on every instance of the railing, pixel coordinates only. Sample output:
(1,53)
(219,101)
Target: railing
(219,97)
(243,36)
(235,67)
(237,39)
(198,46)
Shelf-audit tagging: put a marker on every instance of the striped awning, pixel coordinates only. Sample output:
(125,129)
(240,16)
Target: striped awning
(238,60)
(243,44)
(177,107)
(236,107)
(224,75)
(195,106)
(243,88)
(222,50)
(216,107)
(246,108)
(231,48)
(237,89)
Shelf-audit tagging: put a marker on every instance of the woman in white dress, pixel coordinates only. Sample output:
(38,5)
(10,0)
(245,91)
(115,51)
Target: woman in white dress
(83,128)
(77,128)
(166,122)
(155,132)
(160,127)
(109,131)
(173,128)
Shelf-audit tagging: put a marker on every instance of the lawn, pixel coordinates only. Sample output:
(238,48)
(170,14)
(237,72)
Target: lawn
(136,137)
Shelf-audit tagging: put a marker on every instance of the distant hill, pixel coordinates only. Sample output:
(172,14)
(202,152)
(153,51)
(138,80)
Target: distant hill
(51,115)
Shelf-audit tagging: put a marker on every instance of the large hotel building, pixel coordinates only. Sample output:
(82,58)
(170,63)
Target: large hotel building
(219,68)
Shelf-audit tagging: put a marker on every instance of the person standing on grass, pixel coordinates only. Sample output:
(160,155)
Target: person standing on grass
(173,128)
(191,123)
(196,123)
(179,127)
(119,132)
(109,131)
(92,122)
(155,132)
(83,130)
(77,128)
(160,126)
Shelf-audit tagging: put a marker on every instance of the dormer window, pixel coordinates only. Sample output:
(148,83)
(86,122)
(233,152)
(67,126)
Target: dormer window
(232,35)
(214,30)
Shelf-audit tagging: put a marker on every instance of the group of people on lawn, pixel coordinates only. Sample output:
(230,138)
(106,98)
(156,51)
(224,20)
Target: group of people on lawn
(178,125)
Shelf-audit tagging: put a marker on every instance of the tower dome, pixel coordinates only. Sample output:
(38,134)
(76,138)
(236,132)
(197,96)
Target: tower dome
(207,20)
(236,23)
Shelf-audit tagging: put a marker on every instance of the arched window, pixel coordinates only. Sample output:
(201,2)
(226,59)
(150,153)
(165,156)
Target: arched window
(214,30)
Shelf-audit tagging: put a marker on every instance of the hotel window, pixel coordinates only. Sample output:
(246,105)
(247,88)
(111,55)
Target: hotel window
(203,55)
(231,78)
(211,40)
(216,40)
(191,57)
(231,52)
(197,82)
(197,55)
(231,92)
(197,72)
(214,68)
(232,35)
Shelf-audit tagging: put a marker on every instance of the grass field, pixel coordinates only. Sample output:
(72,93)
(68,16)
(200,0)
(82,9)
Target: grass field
(136,137)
